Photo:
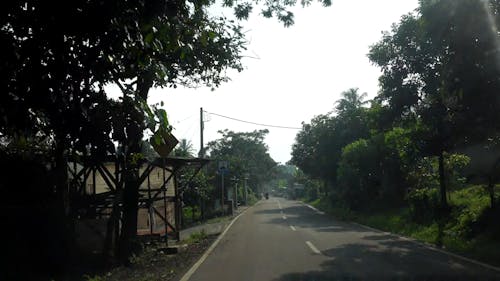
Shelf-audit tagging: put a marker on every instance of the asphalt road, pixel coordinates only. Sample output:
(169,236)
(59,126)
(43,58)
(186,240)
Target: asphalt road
(285,240)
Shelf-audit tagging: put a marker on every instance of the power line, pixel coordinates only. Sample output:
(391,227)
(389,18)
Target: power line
(185,118)
(254,123)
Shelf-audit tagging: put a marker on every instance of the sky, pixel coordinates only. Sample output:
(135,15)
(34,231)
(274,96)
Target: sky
(291,74)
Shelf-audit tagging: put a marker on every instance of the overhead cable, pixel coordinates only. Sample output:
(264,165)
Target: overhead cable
(254,123)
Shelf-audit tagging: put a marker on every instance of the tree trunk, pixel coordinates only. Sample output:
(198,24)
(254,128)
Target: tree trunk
(442,181)
(491,191)
(111,226)
(202,209)
(66,233)
(131,171)
(130,210)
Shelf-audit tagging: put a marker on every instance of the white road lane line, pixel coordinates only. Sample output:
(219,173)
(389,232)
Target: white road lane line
(195,266)
(284,217)
(279,205)
(293,228)
(313,248)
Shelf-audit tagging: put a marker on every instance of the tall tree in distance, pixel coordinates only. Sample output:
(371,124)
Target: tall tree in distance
(318,146)
(351,101)
(184,149)
(246,152)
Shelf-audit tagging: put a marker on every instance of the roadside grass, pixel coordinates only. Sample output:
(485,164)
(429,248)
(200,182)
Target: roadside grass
(471,230)
(190,215)
(215,216)
(195,237)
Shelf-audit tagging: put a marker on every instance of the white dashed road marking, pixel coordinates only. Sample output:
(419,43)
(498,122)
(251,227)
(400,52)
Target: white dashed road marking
(313,248)
(293,228)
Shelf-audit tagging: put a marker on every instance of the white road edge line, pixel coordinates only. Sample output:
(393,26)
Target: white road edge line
(293,228)
(195,266)
(311,207)
(430,247)
(313,248)
(314,209)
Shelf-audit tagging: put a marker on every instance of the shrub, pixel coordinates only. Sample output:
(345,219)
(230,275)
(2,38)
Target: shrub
(454,164)
(424,204)
(473,213)
(356,174)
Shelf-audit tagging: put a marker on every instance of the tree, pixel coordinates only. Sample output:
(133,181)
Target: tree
(318,146)
(426,78)
(351,101)
(184,149)
(357,174)
(245,152)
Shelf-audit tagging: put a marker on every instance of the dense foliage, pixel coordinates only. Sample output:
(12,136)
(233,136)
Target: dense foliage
(247,156)
(438,98)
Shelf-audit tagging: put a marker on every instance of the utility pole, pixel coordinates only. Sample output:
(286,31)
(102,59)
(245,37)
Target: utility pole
(222,170)
(201,153)
(235,195)
(246,176)
(222,193)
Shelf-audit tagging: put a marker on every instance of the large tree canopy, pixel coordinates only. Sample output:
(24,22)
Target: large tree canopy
(246,153)
(318,146)
(440,67)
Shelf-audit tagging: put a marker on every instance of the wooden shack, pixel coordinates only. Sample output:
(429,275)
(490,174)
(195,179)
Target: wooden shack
(96,190)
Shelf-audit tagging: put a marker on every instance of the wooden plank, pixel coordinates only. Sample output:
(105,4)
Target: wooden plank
(164,219)
(108,182)
(108,174)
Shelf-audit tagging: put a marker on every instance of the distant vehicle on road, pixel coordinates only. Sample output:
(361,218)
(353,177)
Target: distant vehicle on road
(267,195)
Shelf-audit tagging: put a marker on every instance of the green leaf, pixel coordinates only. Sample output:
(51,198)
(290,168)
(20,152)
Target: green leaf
(149,38)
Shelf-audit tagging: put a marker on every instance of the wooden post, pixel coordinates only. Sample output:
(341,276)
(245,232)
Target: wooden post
(177,205)
(165,201)
(150,213)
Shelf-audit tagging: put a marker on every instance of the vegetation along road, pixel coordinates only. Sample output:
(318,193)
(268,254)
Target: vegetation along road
(280,239)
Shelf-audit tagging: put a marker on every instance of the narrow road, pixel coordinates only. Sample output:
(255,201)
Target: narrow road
(285,240)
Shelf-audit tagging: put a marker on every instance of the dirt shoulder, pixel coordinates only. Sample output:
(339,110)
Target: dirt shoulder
(154,263)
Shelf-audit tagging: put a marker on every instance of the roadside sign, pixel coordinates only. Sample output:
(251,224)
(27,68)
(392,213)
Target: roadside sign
(223,167)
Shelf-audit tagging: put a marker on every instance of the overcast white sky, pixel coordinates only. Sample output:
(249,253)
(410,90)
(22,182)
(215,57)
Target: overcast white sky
(301,72)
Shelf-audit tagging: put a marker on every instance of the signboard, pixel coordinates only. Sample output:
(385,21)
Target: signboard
(223,167)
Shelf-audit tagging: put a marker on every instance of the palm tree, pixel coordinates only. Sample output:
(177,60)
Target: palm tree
(184,149)
(351,100)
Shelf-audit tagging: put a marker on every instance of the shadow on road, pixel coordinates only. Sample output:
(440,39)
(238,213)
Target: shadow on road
(302,216)
(372,255)
(380,237)
(268,211)
(389,260)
